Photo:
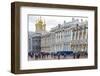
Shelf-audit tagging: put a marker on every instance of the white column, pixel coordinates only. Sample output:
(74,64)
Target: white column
(70,34)
(86,34)
(75,35)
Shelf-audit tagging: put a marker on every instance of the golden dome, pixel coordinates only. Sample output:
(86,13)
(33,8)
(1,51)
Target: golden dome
(40,24)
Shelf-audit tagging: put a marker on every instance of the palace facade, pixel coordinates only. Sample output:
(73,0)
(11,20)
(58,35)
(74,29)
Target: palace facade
(69,36)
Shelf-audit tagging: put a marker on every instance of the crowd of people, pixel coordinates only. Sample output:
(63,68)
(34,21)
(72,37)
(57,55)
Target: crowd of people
(56,55)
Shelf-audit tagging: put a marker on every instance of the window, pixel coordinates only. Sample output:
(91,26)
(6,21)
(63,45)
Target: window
(80,35)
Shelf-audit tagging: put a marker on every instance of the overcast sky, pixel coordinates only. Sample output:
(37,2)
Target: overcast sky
(51,21)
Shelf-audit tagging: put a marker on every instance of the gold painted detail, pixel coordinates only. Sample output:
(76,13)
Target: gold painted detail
(40,25)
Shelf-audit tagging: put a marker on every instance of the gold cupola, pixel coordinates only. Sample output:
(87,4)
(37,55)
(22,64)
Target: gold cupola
(40,25)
